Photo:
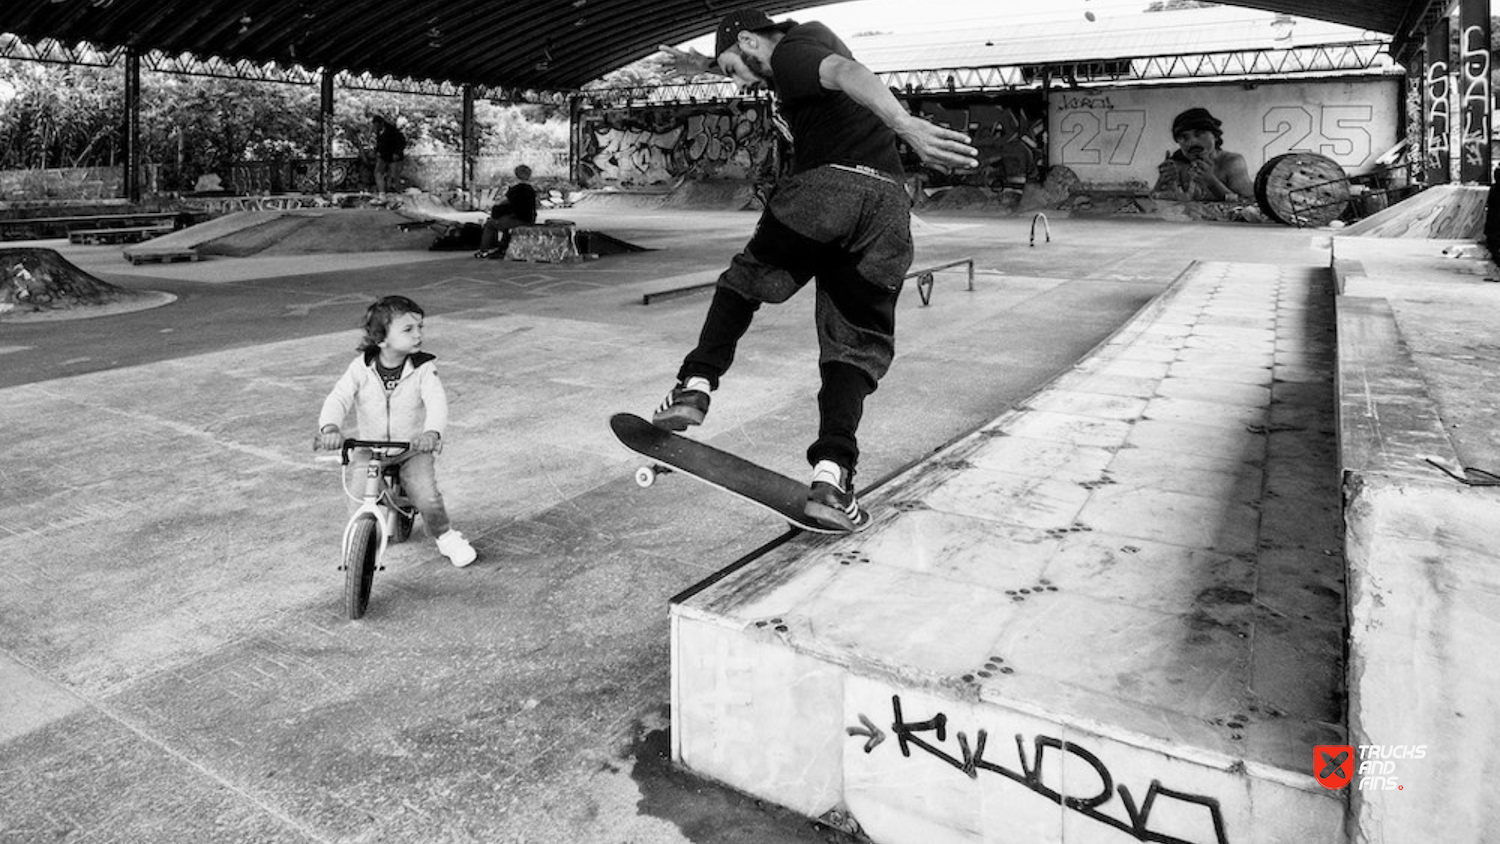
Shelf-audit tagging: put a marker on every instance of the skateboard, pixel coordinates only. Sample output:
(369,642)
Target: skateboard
(720,469)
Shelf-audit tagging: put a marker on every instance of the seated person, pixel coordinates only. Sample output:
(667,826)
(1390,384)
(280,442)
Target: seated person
(1200,168)
(518,209)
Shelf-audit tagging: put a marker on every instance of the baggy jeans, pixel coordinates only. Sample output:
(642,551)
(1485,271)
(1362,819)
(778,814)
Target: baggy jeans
(851,231)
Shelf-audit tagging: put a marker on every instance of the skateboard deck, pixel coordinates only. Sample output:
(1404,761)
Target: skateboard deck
(720,469)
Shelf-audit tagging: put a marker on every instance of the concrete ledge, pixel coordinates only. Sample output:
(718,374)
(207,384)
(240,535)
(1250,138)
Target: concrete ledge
(1388,423)
(1424,604)
(1112,611)
(1424,569)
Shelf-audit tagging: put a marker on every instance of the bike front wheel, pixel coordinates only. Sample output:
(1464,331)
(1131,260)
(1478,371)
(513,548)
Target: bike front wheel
(359,565)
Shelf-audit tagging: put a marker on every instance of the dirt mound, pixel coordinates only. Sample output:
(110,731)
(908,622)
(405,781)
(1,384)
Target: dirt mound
(41,284)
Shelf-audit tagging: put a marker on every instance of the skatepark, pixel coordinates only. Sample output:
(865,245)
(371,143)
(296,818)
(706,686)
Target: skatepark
(1111,486)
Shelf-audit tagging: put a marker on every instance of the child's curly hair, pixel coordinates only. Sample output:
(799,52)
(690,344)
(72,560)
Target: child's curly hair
(378,319)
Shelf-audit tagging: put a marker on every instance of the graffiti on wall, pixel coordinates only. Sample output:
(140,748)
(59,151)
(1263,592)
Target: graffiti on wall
(1103,800)
(1437,100)
(1011,137)
(1474,98)
(662,145)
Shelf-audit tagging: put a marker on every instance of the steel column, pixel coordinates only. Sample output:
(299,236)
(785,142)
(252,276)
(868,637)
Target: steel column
(132,126)
(1474,90)
(469,143)
(325,132)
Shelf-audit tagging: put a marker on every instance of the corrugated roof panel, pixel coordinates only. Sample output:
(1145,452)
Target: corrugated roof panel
(1185,32)
(546,44)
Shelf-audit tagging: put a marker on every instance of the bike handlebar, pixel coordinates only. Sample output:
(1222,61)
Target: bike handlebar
(350,445)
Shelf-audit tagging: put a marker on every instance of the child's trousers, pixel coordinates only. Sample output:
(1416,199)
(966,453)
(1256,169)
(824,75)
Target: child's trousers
(418,479)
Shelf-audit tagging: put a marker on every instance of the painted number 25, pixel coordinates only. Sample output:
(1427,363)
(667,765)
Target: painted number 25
(1339,132)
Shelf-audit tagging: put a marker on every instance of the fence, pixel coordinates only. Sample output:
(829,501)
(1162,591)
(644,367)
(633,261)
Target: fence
(348,174)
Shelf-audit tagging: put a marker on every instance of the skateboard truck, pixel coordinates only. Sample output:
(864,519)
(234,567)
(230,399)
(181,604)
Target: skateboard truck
(645,476)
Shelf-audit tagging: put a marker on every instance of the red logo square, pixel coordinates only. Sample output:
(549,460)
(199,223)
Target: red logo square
(1333,765)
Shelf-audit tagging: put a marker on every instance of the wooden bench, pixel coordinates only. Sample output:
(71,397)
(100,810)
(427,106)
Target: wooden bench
(39,227)
(122,234)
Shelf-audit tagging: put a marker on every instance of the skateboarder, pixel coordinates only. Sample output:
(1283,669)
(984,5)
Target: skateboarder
(390,153)
(842,216)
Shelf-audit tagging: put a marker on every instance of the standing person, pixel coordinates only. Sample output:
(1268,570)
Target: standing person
(842,216)
(1200,168)
(518,209)
(390,153)
(393,388)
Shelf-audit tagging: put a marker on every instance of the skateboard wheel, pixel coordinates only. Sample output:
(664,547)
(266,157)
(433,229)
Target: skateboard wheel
(645,476)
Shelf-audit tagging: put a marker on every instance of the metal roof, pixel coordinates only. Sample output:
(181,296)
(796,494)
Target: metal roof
(987,43)
(504,44)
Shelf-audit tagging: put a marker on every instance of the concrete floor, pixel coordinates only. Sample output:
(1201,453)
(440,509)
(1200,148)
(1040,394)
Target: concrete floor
(174,664)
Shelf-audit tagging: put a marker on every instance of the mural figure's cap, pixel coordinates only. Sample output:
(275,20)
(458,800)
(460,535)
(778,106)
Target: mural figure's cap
(748,19)
(1195,118)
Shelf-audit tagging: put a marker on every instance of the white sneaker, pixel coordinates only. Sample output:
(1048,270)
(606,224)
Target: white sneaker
(457,549)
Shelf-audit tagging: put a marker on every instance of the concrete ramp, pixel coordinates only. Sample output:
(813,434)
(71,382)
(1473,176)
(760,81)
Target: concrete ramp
(1442,212)
(188,241)
(1418,374)
(292,232)
(1114,614)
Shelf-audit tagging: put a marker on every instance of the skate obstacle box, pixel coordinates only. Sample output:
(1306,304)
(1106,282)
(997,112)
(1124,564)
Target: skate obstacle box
(552,241)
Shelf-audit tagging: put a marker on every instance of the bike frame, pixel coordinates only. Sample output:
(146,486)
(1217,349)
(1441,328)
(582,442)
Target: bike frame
(376,500)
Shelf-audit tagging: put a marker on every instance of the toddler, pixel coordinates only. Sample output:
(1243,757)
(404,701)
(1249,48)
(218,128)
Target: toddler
(393,388)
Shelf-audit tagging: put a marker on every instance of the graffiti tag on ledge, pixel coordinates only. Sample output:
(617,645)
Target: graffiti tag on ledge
(971,761)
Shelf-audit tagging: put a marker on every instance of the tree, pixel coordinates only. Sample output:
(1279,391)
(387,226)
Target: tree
(73,116)
(67,116)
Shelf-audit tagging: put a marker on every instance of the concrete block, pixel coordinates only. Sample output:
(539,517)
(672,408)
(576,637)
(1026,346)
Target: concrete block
(549,243)
(1424,606)
(757,715)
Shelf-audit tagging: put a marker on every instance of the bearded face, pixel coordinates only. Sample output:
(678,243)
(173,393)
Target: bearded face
(1197,143)
(749,68)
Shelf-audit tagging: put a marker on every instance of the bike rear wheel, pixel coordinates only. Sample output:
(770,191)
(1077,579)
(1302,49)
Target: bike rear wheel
(359,565)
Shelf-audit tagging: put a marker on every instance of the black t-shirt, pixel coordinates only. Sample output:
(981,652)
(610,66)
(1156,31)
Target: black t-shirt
(389,377)
(828,127)
(520,202)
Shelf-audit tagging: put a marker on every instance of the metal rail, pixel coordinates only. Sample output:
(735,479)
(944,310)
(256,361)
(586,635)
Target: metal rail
(925,279)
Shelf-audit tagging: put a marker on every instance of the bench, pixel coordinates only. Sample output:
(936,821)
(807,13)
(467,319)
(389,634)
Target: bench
(122,234)
(21,228)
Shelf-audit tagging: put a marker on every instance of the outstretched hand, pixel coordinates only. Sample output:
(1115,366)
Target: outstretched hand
(942,149)
(686,62)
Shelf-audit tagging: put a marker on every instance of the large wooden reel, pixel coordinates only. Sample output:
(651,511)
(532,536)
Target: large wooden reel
(1302,189)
